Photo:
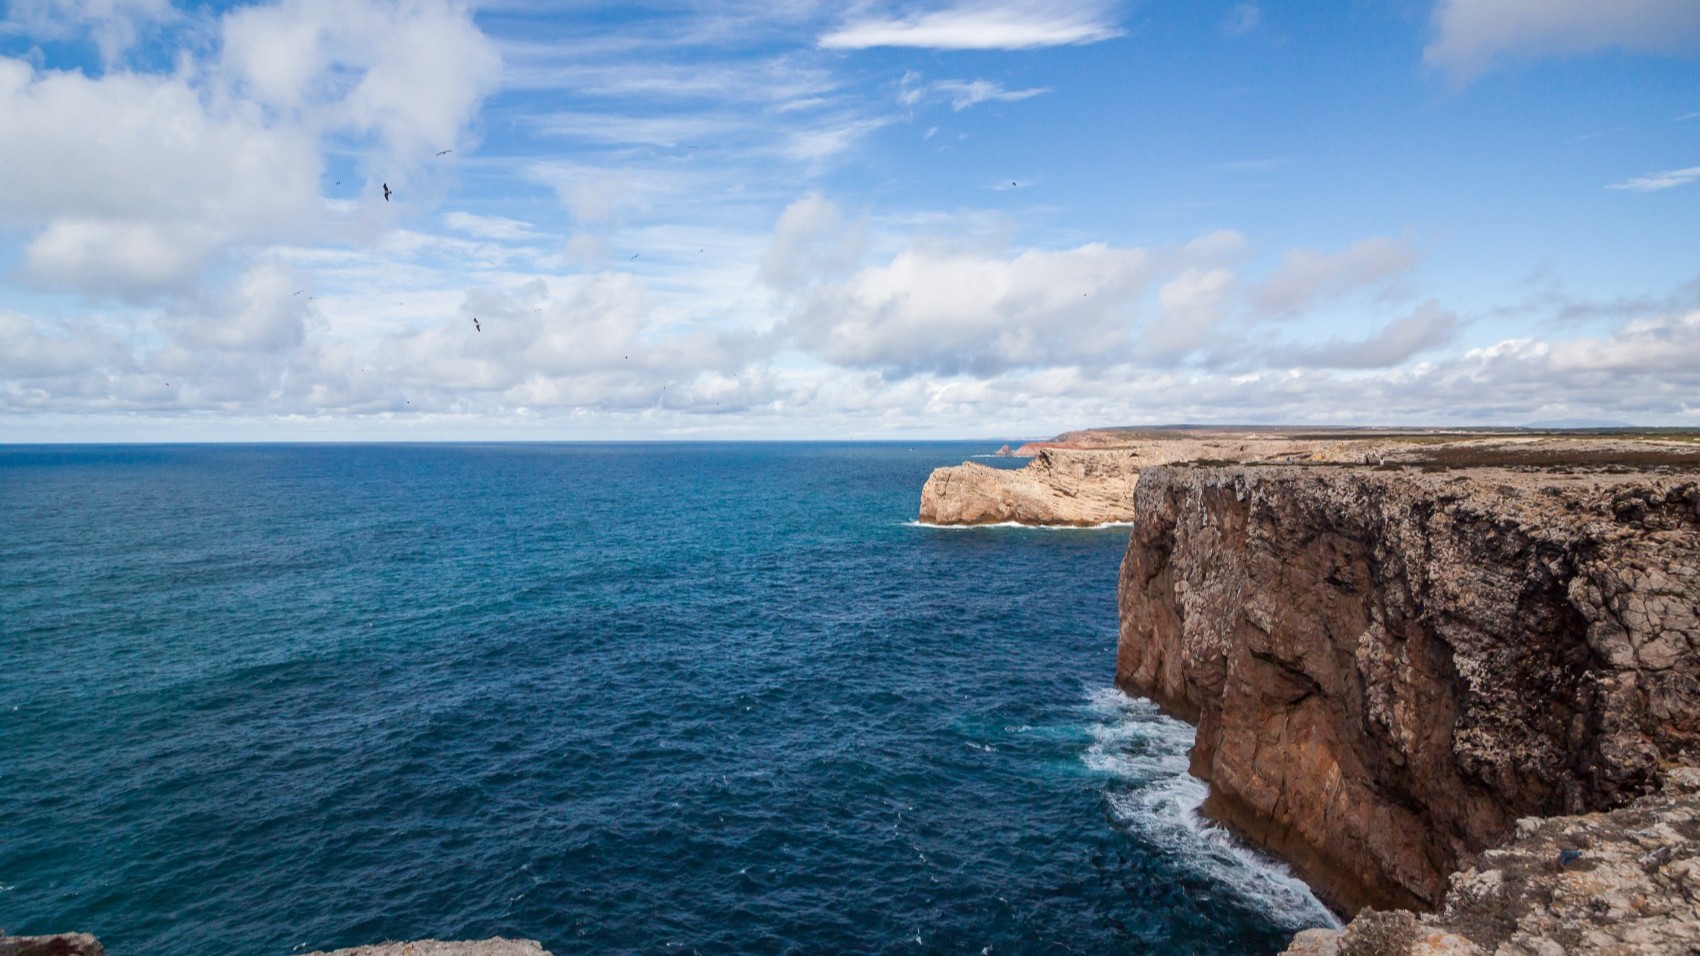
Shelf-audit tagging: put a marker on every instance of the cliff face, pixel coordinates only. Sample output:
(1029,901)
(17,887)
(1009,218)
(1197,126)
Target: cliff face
(1388,668)
(1058,487)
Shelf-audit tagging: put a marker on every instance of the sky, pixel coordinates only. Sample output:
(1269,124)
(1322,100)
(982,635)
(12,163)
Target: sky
(871,220)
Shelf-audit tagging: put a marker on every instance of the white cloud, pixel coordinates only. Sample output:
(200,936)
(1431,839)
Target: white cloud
(1427,328)
(999,25)
(490,227)
(114,25)
(133,184)
(1657,181)
(961,94)
(828,141)
(409,72)
(811,242)
(1193,304)
(131,181)
(29,351)
(965,93)
(951,311)
(1471,36)
(1308,276)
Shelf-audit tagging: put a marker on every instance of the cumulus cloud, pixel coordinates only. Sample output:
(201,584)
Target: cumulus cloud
(409,73)
(1307,277)
(1668,179)
(133,184)
(999,25)
(118,208)
(947,310)
(1192,305)
(1471,36)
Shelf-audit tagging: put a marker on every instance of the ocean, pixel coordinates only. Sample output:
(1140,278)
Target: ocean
(619,698)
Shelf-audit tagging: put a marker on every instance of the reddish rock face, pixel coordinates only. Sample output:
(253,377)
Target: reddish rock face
(1388,668)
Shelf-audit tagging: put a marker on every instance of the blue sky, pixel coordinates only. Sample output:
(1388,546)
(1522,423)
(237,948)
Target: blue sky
(869,220)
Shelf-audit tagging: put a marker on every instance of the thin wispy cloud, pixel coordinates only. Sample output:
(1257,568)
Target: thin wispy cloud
(960,94)
(1669,179)
(1009,25)
(1473,36)
(1242,19)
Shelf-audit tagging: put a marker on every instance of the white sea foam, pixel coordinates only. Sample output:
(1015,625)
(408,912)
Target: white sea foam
(1145,755)
(1017,524)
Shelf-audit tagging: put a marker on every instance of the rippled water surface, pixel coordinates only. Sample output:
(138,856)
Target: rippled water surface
(619,698)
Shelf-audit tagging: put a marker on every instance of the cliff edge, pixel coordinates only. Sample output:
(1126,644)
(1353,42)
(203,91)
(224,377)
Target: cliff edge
(1389,667)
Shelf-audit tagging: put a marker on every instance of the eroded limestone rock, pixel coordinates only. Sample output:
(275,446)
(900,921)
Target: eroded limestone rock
(1388,668)
(1623,883)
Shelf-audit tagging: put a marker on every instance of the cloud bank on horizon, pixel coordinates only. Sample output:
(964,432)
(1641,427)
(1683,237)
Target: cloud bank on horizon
(734,219)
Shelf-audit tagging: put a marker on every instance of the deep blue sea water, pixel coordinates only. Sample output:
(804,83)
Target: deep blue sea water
(717,698)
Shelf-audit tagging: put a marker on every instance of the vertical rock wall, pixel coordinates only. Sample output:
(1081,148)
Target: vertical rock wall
(1388,668)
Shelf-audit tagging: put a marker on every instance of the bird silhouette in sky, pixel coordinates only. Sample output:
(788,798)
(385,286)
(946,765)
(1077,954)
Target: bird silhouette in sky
(298,292)
(386,192)
(445,152)
(634,257)
(475,326)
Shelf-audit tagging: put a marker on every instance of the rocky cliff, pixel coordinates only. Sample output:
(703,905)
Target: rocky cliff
(1058,487)
(1624,882)
(1389,667)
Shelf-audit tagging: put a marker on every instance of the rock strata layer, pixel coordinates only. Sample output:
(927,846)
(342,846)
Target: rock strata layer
(1388,668)
(1619,883)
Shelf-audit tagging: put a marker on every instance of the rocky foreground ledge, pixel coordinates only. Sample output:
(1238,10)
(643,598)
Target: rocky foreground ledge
(1624,882)
(1391,666)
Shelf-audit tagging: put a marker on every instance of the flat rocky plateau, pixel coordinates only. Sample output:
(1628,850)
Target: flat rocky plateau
(1086,478)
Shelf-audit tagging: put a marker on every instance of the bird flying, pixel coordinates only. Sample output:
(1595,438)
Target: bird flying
(475,326)
(445,152)
(386,192)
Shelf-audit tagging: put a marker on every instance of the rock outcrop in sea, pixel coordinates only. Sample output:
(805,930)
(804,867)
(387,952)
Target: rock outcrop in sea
(1058,487)
(1389,667)
(59,944)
